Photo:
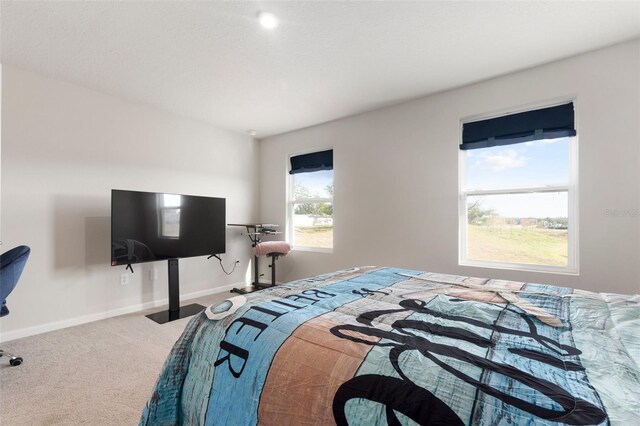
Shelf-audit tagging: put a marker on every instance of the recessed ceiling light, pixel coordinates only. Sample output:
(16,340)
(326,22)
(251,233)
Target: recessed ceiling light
(268,20)
(252,132)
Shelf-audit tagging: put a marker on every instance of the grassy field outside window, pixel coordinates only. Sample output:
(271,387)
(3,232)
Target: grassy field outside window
(311,210)
(518,206)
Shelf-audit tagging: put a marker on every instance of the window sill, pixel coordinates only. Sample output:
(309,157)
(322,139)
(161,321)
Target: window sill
(521,267)
(312,249)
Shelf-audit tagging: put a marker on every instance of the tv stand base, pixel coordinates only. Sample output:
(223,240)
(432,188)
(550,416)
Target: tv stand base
(251,288)
(182,312)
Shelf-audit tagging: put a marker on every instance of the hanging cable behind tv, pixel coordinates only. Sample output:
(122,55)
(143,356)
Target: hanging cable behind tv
(222,266)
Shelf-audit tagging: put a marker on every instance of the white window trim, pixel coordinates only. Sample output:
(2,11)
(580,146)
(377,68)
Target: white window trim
(571,188)
(291,202)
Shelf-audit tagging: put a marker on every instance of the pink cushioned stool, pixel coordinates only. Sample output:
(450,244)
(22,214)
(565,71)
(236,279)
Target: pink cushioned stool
(273,249)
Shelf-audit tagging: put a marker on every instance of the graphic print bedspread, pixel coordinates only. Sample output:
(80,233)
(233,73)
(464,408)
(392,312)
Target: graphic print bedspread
(382,346)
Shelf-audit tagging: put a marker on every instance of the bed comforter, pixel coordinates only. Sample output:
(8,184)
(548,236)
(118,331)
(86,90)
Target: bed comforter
(372,345)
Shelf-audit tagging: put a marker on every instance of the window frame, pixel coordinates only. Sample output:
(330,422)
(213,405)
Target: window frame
(291,202)
(572,267)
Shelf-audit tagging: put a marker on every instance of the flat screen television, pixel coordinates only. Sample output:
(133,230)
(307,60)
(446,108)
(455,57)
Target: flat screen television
(151,226)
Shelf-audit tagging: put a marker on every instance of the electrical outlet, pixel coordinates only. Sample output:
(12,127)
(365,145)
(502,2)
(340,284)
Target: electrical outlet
(124,278)
(153,274)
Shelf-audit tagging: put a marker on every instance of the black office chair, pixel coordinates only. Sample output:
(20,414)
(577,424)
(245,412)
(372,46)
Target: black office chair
(11,265)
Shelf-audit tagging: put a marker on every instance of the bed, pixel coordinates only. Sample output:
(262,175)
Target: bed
(373,345)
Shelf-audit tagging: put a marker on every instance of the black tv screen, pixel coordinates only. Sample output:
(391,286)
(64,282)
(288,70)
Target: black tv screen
(150,226)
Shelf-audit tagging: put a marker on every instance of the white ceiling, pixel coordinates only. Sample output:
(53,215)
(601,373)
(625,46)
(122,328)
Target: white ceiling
(213,62)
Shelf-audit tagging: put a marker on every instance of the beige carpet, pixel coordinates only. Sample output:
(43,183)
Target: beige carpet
(100,373)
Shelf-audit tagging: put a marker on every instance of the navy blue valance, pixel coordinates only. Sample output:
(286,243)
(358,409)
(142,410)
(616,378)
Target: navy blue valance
(312,162)
(546,123)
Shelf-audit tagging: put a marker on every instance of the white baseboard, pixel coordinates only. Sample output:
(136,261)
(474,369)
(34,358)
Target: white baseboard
(43,328)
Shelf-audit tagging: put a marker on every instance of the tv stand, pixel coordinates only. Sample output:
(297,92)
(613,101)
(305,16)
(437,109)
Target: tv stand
(175,311)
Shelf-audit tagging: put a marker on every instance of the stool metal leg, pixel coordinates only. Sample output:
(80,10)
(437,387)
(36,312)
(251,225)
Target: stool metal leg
(13,360)
(273,269)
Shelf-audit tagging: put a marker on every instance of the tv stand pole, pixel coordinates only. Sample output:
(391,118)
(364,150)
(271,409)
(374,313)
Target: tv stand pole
(175,311)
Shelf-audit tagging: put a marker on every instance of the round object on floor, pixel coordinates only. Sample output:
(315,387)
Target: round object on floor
(14,362)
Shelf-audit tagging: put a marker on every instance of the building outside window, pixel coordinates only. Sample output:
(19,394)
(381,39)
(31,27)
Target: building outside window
(518,207)
(310,201)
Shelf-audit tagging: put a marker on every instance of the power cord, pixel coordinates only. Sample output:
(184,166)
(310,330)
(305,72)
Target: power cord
(222,266)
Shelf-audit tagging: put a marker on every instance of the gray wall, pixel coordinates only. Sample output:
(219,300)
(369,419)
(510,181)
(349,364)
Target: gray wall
(64,147)
(396,174)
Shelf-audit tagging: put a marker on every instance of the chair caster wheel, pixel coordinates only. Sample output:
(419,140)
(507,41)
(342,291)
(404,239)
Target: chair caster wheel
(14,362)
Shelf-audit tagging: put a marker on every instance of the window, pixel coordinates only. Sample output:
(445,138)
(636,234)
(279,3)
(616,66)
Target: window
(310,201)
(518,194)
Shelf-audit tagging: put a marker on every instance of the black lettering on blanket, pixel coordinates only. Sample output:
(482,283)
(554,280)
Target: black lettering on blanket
(547,359)
(274,314)
(403,396)
(419,306)
(243,354)
(299,297)
(366,292)
(319,294)
(403,338)
(232,350)
(289,305)
(243,321)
